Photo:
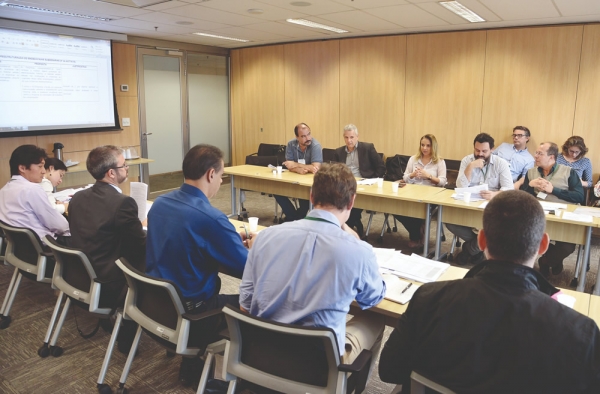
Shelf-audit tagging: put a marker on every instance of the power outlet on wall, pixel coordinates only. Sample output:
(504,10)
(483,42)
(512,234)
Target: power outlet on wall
(126,122)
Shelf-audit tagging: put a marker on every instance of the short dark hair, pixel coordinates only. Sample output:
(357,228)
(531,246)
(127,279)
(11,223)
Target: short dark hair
(298,128)
(56,163)
(102,159)
(552,149)
(575,141)
(513,223)
(200,159)
(523,129)
(25,155)
(333,185)
(483,138)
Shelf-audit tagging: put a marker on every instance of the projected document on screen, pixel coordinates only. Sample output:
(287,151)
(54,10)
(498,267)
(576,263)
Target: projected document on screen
(54,82)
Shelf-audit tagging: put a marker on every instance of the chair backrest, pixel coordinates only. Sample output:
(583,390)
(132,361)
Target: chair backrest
(270,150)
(25,251)
(156,305)
(75,276)
(395,167)
(263,161)
(282,357)
(328,155)
(421,385)
(452,167)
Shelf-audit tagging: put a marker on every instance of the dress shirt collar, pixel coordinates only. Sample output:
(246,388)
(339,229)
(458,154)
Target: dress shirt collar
(323,214)
(541,170)
(355,148)
(194,191)
(519,151)
(117,188)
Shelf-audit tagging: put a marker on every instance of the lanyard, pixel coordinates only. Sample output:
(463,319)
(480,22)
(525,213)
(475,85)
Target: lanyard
(319,220)
(485,173)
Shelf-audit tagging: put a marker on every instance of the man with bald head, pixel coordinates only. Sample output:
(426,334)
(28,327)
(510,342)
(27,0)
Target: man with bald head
(303,155)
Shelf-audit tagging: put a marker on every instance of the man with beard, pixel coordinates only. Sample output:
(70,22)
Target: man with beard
(550,181)
(477,169)
(105,225)
(516,154)
(303,155)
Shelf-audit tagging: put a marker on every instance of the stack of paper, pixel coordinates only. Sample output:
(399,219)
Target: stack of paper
(139,192)
(413,267)
(371,181)
(65,195)
(474,190)
(398,290)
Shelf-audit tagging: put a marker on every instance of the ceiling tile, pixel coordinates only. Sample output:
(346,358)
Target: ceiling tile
(171,19)
(286,29)
(443,13)
(317,7)
(480,10)
(242,6)
(95,8)
(359,20)
(519,9)
(578,7)
(166,5)
(210,14)
(363,4)
(407,16)
(151,26)
(247,34)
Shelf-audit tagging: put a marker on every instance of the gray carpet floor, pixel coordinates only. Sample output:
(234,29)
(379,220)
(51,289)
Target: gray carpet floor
(23,371)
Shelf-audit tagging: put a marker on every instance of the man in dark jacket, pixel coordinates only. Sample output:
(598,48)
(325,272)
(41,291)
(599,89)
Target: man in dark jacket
(364,162)
(498,330)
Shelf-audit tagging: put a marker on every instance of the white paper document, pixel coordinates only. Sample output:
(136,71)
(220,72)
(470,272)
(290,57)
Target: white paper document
(595,212)
(398,290)
(384,254)
(577,217)
(371,181)
(65,195)
(552,206)
(414,267)
(474,190)
(139,192)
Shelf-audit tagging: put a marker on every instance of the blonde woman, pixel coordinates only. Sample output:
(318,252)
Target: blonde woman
(424,168)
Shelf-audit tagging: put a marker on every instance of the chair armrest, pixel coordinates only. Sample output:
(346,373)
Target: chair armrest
(363,359)
(47,254)
(203,315)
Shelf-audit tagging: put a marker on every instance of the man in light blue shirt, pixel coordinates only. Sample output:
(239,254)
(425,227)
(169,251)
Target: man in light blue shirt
(303,155)
(517,155)
(309,271)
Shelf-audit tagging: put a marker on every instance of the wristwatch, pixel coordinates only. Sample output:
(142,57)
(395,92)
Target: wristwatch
(430,176)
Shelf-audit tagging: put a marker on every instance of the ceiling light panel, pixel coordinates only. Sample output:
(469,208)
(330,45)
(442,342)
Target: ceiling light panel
(462,11)
(30,8)
(315,25)
(221,37)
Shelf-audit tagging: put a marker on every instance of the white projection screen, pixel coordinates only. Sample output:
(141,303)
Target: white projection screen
(51,84)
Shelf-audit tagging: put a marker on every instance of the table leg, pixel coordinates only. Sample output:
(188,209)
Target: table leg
(233,196)
(438,234)
(427,227)
(586,258)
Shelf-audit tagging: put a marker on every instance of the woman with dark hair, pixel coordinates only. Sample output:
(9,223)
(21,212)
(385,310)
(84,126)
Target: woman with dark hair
(573,155)
(424,168)
(55,171)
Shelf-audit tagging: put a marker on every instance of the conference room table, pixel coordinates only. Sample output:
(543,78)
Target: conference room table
(407,201)
(471,214)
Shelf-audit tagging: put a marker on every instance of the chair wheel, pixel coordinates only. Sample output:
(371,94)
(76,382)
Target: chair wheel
(44,351)
(245,214)
(574,282)
(389,230)
(443,238)
(380,240)
(5,322)
(395,229)
(56,351)
(240,218)
(450,257)
(104,389)
(122,390)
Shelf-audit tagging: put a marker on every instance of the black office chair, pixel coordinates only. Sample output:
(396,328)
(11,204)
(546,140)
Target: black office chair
(75,277)
(419,384)
(289,358)
(156,306)
(328,155)
(25,252)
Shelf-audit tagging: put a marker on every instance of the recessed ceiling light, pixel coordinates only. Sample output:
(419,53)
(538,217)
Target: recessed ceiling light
(255,11)
(461,11)
(300,3)
(184,23)
(221,37)
(316,25)
(49,11)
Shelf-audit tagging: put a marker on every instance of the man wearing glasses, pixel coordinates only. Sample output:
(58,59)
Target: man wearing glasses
(517,156)
(553,182)
(105,225)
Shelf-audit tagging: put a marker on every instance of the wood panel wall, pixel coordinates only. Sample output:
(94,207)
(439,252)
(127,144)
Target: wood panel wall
(453,85)
(78,145)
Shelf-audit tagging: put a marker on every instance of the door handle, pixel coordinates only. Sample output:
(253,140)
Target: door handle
(146,133)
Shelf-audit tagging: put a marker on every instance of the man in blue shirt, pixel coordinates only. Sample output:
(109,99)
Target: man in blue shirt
(303,155)
(188,239)
(309,271)
(517,155)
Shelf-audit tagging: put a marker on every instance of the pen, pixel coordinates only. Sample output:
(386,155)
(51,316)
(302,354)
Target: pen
(406,288)
(248,235)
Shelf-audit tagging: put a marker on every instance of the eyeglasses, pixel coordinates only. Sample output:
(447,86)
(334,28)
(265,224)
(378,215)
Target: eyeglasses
(538,153)
(574,152)
(518,135)
(123,166)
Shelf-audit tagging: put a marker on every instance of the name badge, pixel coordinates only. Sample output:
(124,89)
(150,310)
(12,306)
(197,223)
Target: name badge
(542,195)
(301,161)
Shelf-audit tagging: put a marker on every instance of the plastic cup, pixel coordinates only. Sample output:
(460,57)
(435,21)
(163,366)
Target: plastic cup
(253,221)
(380,183)
(395,187)
(467,196)
(279,169)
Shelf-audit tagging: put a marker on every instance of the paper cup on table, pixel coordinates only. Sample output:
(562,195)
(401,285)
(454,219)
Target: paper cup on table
(380,183)
(395,187)
(279,169)
(467,196)
(253,221)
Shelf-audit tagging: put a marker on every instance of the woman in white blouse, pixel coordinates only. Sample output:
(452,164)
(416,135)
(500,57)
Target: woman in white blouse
(55,171)
(424,168)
